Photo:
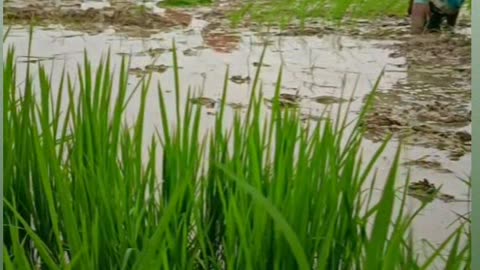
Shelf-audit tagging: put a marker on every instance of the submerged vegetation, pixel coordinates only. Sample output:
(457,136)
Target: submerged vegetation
(80,193)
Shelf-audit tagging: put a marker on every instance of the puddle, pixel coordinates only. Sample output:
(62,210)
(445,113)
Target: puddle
(319,72)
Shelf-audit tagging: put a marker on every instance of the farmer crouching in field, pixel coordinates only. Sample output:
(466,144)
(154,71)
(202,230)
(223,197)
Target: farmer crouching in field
(429,14)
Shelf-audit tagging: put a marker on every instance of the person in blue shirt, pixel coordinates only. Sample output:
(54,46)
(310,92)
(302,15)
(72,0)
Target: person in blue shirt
(429,14)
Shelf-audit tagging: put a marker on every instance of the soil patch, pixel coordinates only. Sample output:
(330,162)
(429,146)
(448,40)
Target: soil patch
(431,107)
(124,17)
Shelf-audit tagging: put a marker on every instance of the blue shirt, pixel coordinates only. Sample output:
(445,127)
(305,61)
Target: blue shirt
(453,4)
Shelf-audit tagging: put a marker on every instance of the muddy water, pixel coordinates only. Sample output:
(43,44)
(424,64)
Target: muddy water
(316,69)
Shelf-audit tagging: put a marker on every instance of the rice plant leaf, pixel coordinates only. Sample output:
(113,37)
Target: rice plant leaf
(295,246)
(383,217)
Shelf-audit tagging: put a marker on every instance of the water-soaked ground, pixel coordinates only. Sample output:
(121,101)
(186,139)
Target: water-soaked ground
(423,97)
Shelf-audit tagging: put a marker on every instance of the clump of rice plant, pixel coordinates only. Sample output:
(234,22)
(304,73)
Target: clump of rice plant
(261,194)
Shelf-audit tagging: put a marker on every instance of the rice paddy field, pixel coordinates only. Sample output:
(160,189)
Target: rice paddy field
(203,134)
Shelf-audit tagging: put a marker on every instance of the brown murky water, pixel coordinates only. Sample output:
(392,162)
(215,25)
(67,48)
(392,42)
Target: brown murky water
(422,99)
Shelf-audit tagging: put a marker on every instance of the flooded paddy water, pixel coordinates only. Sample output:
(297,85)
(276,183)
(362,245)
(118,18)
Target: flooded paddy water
(423,96)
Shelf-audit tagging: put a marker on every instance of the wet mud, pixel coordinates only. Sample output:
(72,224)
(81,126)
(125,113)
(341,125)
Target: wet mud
(425,191)
(431,106)
(128,17)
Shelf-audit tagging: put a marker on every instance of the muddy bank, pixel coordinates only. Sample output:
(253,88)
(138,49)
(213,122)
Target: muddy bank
(431,107)
(130,18)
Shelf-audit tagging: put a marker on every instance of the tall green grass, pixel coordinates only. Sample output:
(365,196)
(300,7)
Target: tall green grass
(274,194)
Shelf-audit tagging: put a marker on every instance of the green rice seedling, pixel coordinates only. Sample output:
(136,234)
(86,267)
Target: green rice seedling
(63,183)
(185,3)
(302,10)
(263,191)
